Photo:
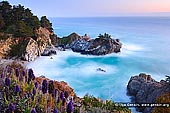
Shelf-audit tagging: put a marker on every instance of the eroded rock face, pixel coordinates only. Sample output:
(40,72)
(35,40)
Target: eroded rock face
(32,50)
(28,48)
(5,46)
(43,39)
(144,89)
(98,46)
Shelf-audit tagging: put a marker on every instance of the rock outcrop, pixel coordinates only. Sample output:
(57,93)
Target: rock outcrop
(31,51)
(26,48)
(98,46)
(69,39)
(144,89)
(49,52)
(43,39)
(85,45)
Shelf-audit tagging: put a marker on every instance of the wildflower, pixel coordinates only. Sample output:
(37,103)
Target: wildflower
(34,91)
(50,87)
(33,77)
(32,97)
(70,107)
(58,100)
(55,93)
(11,107)
(8,69)
(55,110)
(30,73)
(66,94)
(7,81)
(63,101)
(61,95)
(33,110)
(17,89)
(44,86)
(2,75)
(23,73)
(36,85)
(17,72)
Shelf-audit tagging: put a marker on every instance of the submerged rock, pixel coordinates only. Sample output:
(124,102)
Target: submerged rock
(145,89)
(100,69)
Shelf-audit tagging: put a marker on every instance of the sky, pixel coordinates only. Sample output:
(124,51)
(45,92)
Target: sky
(94,8)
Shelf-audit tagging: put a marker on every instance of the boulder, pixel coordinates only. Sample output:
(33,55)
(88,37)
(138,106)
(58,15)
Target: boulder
(144,89)
(49,52)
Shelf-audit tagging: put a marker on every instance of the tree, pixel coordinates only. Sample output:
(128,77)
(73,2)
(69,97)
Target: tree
(46,23)
(5,11)
(106,36)
(20,29)
(2,23)
(18,11)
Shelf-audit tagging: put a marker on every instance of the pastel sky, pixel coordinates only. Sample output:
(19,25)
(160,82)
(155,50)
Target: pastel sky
(88,8)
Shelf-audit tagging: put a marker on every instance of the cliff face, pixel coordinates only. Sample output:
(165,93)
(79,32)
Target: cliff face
(5,46)
(32,50)
(144,89)
(26,47)
(43,39)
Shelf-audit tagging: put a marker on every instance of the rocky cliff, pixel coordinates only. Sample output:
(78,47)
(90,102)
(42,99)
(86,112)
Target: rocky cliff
(98,46)
(145,89)
(26,48)
(85,45)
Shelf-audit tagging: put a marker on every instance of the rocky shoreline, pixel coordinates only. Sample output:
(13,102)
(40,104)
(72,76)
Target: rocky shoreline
(145,90)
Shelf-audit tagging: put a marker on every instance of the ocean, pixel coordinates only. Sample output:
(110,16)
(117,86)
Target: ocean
(146,46)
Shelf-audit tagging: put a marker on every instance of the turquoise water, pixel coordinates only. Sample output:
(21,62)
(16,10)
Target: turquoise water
(146,45)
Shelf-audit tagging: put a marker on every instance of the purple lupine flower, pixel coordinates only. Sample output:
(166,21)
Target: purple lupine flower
(2,75)
(63,101)
(32,97)
(11,107)
(30,73)
(50,87)
(55,110)
(33,77)
(58,100)
(44,86)
(61,95)
(66,94)
(55,93)
(17,89)
(23,73)
(70,107)
(34,91)
(17,72)
(36,85)
(33,110)
(8,69)
(7,81)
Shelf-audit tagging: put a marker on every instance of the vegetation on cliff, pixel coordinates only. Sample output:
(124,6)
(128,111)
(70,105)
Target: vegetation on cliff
(20,21)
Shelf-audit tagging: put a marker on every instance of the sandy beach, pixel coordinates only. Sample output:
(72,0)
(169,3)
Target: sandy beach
(5,62)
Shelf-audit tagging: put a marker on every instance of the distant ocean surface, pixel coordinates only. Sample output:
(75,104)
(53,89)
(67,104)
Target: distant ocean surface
(146,48)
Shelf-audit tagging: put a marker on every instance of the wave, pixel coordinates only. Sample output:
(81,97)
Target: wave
(132,47)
